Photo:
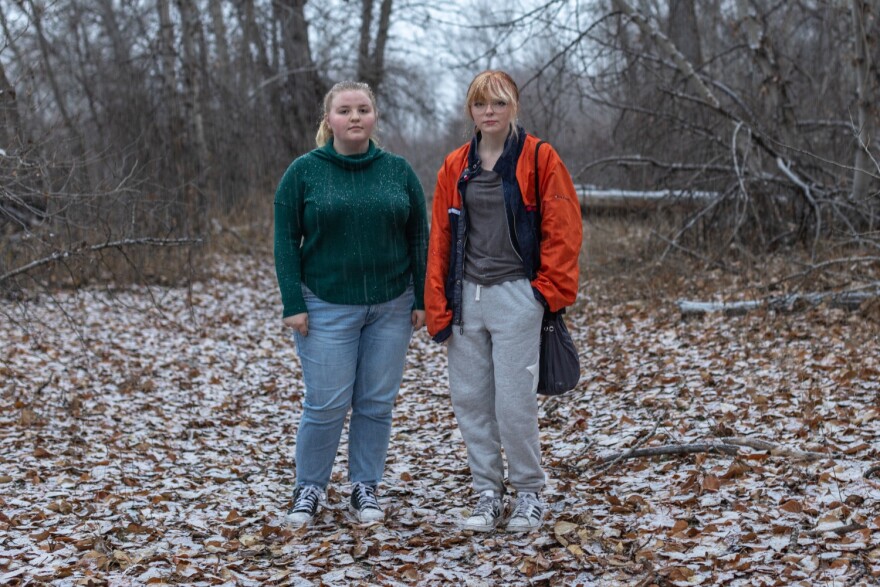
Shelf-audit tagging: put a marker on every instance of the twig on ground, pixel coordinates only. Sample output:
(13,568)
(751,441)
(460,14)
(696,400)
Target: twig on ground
(674,449)
(776,450)
(625,455)
(840,530)
(45,384)
(860,573)
(793,539)
(871,471)
(728,446)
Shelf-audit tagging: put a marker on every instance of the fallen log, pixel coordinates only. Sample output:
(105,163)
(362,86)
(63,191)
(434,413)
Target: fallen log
(787,303)
(592,198)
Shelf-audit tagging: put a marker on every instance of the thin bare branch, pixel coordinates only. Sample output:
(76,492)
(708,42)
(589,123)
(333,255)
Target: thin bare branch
(119,244)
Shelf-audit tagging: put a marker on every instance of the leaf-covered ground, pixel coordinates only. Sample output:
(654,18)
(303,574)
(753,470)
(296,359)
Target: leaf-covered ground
(153,444)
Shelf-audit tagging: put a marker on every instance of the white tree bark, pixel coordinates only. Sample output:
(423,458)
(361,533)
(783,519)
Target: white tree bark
(650,29)
(191,34)
(773,83)
(866,88)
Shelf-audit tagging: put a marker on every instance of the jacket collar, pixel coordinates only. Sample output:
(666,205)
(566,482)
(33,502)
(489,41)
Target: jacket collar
(506,164)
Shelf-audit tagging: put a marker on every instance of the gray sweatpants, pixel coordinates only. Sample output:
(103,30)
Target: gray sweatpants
(493,375)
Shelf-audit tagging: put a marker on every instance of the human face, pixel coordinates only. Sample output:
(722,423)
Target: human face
(492,116)
(352,118)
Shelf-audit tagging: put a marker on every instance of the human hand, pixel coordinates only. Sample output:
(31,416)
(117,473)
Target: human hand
(418,319)
(299,322)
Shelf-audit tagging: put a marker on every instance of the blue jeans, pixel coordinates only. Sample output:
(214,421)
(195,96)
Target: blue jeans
(352,358)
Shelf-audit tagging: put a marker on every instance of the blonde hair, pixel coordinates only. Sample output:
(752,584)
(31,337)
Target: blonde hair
(324,131)
(494,84)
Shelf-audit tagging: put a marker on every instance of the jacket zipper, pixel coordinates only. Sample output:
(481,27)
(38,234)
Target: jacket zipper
(463,221)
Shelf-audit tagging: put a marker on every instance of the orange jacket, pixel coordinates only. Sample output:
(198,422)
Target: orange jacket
(561,228)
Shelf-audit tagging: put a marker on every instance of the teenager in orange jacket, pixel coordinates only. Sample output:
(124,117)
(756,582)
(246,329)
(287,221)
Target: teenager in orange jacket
(497,259)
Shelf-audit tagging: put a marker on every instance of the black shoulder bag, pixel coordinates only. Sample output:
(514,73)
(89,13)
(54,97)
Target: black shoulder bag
(559,368)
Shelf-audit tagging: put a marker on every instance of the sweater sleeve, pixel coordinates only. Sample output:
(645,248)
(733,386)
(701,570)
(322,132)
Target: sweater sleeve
(417,236)
(288,234)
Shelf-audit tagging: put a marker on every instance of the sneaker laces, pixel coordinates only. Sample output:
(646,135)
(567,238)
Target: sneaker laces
(486,506)
(307,499)
(365,496)
(527,506)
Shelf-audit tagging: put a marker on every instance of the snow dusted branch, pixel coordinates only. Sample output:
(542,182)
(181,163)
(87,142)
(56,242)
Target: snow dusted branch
(673,449)
(776,450)
(650,29)
(591,197)
(840,530)
(808,195)
(625,455)
(637,160)
(120,244)
(728,446)
(847,300)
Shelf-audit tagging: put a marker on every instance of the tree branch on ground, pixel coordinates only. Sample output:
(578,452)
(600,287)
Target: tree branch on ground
(85,249)
(729,446)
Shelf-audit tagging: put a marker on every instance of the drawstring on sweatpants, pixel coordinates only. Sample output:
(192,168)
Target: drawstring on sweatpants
(479,287)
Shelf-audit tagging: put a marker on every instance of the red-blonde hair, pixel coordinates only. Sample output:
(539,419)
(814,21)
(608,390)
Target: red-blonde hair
(493,84)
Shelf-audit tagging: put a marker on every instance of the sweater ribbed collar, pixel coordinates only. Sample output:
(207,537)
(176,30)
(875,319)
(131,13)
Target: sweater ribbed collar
(349,162)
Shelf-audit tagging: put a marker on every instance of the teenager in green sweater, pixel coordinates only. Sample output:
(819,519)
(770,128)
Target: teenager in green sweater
(350,254)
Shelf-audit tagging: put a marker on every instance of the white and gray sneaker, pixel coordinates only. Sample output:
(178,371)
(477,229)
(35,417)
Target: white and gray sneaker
(486,514)
(305,505)
(528,513)
(364,504)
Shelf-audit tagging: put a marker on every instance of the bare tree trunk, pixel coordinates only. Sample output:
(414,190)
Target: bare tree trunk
(169,97)
(650,30)
(111,27)
(11,138)
(79,150)
(683,31)
(381,42)
(267,79)
(774,83)
(867,99)
(83,51)
(255,39)
(363,63)
(218,24)
(191,40)
(304,86)
(166,50)
(371,54)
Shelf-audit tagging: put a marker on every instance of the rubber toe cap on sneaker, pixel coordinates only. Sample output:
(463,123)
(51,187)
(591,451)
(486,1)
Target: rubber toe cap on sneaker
(369,515)
(522,525)
(299,519)
(477,524)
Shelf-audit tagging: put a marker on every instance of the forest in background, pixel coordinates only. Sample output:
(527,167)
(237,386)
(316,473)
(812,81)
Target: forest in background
(136,133)
(146,431)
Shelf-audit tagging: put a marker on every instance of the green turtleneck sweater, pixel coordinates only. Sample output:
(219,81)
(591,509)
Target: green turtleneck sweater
(352,228)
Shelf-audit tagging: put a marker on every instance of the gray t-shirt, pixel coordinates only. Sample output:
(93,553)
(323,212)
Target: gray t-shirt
(489,257)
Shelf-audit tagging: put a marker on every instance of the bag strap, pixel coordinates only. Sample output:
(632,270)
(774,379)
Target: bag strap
(538,184)
(538,205)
